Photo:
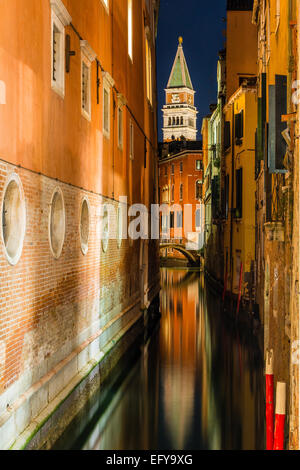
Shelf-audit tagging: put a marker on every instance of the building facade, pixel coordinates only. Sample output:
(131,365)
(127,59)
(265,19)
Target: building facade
(77,125)
(277,191)
(180,161)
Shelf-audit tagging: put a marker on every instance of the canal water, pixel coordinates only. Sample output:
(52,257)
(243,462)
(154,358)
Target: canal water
(195,383)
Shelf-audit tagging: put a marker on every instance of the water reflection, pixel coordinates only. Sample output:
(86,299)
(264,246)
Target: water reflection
(198,383)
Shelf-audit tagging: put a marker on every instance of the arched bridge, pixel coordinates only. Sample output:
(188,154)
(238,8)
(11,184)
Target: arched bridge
(192,256)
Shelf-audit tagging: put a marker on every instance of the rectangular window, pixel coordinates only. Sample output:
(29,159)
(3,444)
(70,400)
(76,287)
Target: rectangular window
(239,125)
(198,165)
(181,192)
(179,220)
(166,171)
(173,170)
(57,56)
(149,70)
(131,141)
(85,89)
(226,196)
(277,107)
(106,111)
(239,193)
(130,30)
(227,135)
(171,219)
(120,127)
(181,167)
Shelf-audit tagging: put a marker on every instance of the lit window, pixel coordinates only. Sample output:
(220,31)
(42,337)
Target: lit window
(108,83)
(106,4)
(149,70)
(87,57)
(131,141)
(59,19)
(106,106)
(86,89)
(198,165)
(198,190)
(120,114)
(13,219)
(130,30)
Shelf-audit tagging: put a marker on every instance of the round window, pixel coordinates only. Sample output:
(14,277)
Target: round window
(13,219)
(105,229)
(57,224)
(84,226)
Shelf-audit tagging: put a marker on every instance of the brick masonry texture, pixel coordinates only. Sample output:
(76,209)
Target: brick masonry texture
(46,303)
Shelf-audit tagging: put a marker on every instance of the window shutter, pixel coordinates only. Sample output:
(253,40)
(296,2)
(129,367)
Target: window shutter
(277,107)
(227,135)
(239,193)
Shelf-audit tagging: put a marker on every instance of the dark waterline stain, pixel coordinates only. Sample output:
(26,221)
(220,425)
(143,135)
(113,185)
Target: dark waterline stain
(195,383)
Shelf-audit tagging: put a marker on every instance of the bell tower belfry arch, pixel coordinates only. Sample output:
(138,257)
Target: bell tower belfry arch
(179,111)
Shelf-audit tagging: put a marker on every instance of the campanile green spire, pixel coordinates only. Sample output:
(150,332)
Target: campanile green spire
(180,76)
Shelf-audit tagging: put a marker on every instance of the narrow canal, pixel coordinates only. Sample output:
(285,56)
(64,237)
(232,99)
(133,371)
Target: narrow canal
(197,383)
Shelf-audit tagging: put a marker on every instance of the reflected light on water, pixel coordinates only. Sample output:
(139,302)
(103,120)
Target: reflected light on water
(197,384)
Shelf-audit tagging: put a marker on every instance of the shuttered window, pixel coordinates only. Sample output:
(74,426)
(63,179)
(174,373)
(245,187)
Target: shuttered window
(277,107)
(227,137)
(239,193)
(239,125)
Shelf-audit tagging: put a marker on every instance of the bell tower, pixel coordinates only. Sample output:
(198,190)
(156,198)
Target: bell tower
(179,112)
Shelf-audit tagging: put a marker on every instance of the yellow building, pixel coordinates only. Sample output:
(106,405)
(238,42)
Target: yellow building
(239,154)
(277,204)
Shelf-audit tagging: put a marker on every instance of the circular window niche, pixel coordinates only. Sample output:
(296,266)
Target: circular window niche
(84,225)
(105,229)
(57,223)
(13,215)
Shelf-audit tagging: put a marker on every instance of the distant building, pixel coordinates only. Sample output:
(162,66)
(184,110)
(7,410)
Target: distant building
(179,112)
(181,159)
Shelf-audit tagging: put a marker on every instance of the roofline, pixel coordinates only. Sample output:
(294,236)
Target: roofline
(179,155)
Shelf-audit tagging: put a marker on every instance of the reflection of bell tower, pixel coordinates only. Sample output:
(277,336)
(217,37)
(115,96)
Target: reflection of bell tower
(179,112)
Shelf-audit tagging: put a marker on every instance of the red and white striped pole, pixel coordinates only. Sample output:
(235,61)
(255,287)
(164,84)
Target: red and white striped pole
(280,416)
(270,399)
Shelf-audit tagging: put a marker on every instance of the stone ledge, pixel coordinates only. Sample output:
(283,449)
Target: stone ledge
(43,393)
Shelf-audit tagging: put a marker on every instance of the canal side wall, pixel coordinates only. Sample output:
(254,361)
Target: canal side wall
(61,316)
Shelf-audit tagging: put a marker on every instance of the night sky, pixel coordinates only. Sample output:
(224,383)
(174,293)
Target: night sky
(201,25)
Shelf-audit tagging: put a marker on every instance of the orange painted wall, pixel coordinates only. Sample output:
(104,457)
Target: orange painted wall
(241,60)
(43,132)
(188,178)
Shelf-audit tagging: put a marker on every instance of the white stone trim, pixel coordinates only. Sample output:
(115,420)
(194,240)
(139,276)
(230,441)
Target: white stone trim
(14,177)
(108,81)
(58,254)
(84,246)
(61,12)
(88,51)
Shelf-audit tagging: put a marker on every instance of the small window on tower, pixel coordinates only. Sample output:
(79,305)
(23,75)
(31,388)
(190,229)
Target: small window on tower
(181,167)
(173,170)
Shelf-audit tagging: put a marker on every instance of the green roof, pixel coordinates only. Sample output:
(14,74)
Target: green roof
(180,77)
